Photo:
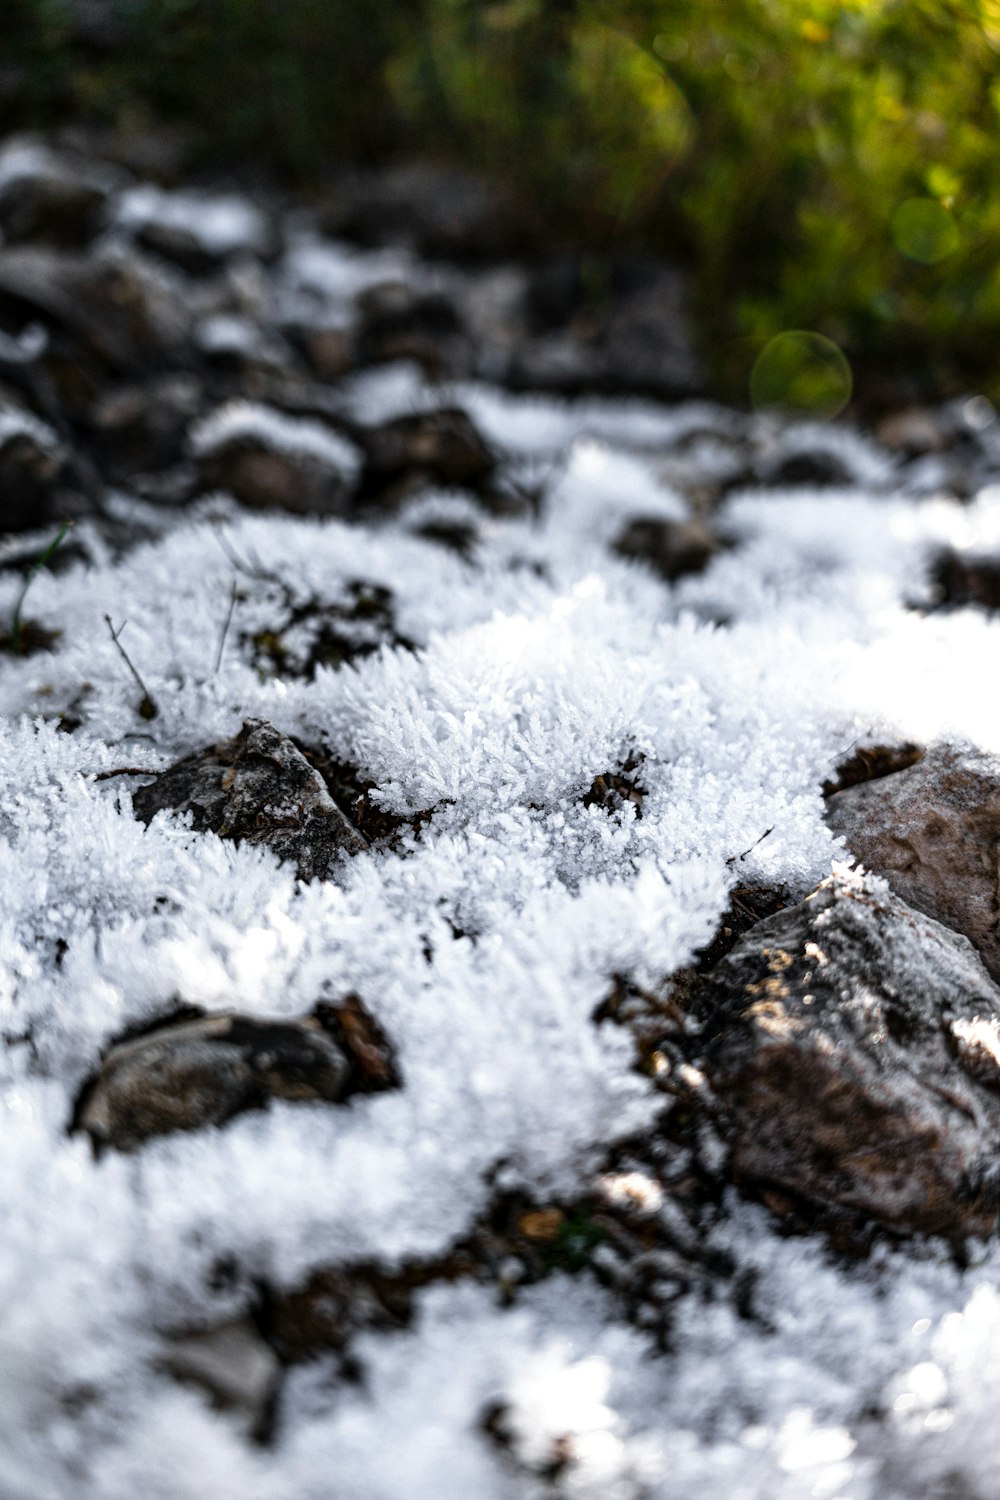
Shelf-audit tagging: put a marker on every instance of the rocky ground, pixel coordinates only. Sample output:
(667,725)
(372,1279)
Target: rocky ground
(448,1044)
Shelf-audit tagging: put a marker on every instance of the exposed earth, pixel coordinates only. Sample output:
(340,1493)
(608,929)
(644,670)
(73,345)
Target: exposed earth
(500,901)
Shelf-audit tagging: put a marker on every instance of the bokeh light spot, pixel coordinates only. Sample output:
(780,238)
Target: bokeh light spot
(924,230)
(802,372)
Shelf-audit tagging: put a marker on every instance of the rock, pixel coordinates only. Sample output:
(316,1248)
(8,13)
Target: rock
(852,1055)
(329,348)
(808,470)
(914,430)
(673,548)
(870,762)
(434,209)
(365,1044)
(112,305)
(257,788)
(959,579)
(404,322)
(197,230)
(268,460)
(49,196)
(32,465)
(441,445)
(142,426)
(195,1073)
(933,831)
(234,1366)
(615,326)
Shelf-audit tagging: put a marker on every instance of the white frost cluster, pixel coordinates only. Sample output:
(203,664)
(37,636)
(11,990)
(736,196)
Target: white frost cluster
(483,945)
(219,225)
(252,421)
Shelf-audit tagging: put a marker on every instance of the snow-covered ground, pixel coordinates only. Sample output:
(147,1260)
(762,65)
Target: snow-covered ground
(483,942)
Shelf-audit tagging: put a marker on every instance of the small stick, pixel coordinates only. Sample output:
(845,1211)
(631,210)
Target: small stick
(741,857)
(147,708)
(126,771)
(225,628)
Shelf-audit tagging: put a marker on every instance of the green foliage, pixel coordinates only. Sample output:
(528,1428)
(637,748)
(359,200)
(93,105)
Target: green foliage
(15,639)
(826,165)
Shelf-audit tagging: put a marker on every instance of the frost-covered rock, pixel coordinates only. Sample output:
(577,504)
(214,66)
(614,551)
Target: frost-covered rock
(196,229)
(270,461)
(933,831)
(854,1055)
(257,788)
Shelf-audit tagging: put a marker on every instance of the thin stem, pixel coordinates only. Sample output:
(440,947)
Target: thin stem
(225,628)
(147,708)
(36,567)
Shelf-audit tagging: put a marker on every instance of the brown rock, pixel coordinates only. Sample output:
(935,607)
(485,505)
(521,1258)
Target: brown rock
(257,788)
(673,548)
(933,831)
(440,445)
(853,1057)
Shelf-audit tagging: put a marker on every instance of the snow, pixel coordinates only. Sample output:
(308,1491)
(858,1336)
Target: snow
(483,945)
(220,225)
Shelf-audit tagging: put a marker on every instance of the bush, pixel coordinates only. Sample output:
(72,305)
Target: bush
(823,166)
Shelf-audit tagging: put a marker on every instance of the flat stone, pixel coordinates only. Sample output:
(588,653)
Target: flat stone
(933,831)
(257,788)
(852,1059)
(195,1073)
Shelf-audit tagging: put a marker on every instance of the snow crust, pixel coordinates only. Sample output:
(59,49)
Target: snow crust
(483,947)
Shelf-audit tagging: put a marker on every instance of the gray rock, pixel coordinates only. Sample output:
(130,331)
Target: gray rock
(853,1060)
(257,788)
(933,831)
(234,1366)
(202,1072)
(270,461)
